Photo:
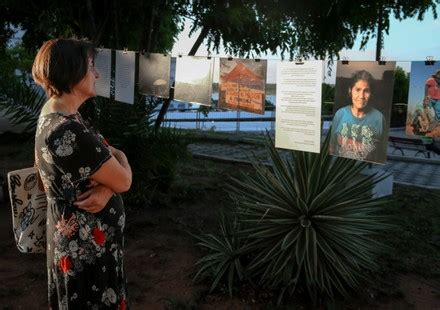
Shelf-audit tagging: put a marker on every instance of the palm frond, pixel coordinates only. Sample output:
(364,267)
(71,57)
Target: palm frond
(21,103)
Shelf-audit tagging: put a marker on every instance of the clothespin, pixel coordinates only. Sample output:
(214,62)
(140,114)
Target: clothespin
(299,60)
(429,61)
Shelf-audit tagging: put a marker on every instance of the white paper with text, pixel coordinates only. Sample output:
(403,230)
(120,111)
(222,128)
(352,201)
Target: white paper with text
(103,63)
(298,106)
(124,76)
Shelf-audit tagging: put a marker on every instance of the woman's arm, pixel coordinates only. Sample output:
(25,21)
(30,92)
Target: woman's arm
(114,176)
(115,173)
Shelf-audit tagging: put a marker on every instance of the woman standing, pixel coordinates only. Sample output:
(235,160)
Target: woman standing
(81,177)
(358,128)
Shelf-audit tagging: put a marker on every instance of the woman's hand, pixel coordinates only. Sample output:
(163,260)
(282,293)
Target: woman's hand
(95,199)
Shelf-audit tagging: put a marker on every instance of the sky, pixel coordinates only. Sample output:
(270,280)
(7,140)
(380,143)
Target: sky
(407,40)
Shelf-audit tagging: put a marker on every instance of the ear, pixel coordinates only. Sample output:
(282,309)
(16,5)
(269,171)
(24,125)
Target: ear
(349,92)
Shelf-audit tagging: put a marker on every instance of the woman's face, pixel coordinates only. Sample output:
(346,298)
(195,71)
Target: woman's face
(360,94)
(86,87)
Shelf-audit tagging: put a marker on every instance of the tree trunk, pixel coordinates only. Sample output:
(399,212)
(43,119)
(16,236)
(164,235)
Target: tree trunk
(379,42)
(155,27)
(149,31)
(92,20)
(164,109)
(116,37)
(101,27)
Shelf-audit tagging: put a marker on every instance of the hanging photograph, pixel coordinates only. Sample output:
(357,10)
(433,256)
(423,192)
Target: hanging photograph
(362,109)
(154,74)
(298,101)
(103,63)
(423,116)
(243,84)
(193,80)
(124,76)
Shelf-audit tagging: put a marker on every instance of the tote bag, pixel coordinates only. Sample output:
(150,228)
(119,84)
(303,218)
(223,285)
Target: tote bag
(29,205)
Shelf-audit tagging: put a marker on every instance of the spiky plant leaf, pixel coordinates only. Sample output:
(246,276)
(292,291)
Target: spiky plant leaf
(223,262)
(309,220)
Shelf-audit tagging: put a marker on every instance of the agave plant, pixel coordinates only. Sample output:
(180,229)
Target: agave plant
(225,253)
(310,221)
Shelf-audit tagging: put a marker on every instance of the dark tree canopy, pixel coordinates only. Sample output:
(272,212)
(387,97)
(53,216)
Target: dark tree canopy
(298,28)
(317,28)
(136,25)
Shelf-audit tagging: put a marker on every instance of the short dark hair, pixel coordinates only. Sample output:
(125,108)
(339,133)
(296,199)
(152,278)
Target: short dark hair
(361,75)
(61,64)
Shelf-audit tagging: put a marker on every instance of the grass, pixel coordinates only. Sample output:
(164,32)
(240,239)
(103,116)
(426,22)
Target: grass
(416,239)
(414,242)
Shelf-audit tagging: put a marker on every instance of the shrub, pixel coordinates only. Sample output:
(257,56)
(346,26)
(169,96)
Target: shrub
(307,221)
(225,253)
(152,154)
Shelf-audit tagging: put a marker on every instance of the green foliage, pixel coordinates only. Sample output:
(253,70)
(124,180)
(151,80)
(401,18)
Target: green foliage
(21,103)
(401,86)
(15,65)
(249,28)
(20,99)
(400,98)
(245,28)
(311,222)
(327,98)
(136,25)
(225,251)
(152,154)
(308,221)
(153,160)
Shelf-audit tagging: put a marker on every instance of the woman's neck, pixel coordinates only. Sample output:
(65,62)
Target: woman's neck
(357,112)
(67,104)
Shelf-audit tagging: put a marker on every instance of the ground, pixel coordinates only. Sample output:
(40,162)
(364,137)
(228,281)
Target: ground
(160,254)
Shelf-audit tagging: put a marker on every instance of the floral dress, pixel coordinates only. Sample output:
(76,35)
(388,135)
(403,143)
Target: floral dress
(84,250)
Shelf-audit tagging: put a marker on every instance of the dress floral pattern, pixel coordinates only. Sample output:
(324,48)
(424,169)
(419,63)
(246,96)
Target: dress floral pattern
(84,250)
